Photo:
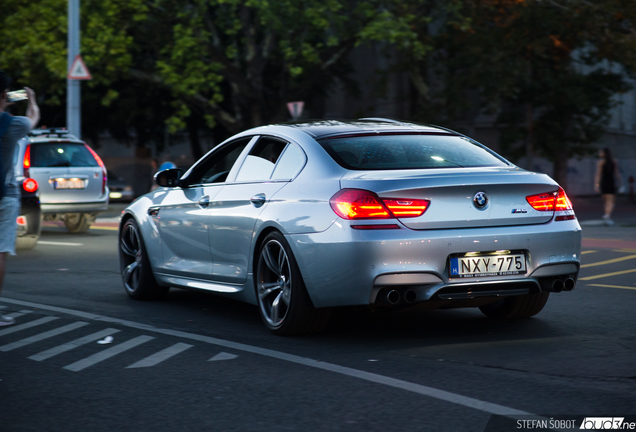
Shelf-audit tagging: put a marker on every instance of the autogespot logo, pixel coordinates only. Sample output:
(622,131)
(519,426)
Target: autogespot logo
(480,200)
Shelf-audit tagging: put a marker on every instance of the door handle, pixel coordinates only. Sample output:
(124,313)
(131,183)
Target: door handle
(258,200)
(204,202)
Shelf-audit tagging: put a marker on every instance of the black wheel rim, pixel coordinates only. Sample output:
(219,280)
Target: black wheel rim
(274,283)
(130,245)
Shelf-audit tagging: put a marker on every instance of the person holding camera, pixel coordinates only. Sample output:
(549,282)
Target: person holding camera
(12,129)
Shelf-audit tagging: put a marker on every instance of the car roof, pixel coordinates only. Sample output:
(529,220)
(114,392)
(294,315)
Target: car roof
(325,128)
(52,135)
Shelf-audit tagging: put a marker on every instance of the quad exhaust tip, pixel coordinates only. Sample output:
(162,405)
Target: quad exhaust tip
(410,296)
(393,297)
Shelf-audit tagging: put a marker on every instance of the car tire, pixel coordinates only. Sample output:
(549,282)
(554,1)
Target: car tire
(523,306)
(77,222)
(283,302)
(26,242)
(134,265)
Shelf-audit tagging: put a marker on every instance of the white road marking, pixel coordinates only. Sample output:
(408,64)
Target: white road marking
(223,356)
(19,314)
(72,345)
(160,356)
(52,243)
(17,328)
(108,353)
(42,336)
(455,398)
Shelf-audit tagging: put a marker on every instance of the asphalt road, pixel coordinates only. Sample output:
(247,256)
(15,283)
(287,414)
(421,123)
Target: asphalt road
(197,362)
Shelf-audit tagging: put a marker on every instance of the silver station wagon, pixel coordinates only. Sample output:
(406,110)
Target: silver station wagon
(71,176)
(303,217)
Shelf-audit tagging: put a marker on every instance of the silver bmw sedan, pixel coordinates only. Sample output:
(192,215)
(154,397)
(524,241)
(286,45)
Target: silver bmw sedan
(303,217)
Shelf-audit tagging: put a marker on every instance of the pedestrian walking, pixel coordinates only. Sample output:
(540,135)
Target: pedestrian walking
(606,182)
(11,130)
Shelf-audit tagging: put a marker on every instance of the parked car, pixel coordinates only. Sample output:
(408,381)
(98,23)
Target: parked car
(72,178)
(119,189)
(30,219)
(299,218)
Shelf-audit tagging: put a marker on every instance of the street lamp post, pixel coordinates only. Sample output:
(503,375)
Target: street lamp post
(73,93)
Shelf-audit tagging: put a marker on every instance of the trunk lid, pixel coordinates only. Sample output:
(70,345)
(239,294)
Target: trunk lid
(452,193)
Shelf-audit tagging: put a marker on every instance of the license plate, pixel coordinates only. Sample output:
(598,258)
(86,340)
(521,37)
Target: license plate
(70,184)
(482,265)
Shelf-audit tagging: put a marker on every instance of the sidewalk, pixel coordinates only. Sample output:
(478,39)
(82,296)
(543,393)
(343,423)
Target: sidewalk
(621,235)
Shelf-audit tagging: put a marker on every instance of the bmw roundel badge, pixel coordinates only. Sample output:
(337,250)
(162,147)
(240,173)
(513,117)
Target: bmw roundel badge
(480,200)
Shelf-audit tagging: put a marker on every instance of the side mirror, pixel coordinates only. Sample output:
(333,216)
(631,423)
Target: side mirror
(168,178)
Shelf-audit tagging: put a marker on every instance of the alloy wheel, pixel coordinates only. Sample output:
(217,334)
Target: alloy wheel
(130,245)
(274,286)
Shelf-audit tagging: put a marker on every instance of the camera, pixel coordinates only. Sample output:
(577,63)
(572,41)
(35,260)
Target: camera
(18,95)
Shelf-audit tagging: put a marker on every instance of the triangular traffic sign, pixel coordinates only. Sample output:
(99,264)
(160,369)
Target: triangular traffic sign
(295,109)
(78,70)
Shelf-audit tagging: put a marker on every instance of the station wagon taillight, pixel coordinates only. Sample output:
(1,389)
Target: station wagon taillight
(550,201)
(26,164)
(101,164)
(355,204)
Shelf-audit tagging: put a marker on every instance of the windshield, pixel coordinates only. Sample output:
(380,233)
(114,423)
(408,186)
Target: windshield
(394,152)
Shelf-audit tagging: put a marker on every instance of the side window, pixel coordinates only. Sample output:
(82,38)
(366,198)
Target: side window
(217,166)
(260,163)
(290,163)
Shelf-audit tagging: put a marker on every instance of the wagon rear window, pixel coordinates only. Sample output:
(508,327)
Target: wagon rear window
(61,155)
(394,152)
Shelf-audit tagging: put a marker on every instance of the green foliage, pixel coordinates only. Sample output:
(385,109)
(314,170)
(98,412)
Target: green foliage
(238,61)
(547,69)
(234,63)
(35,53)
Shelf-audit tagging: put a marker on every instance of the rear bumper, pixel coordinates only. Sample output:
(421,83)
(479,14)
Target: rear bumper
(30,209)
(84,207)
(342,266)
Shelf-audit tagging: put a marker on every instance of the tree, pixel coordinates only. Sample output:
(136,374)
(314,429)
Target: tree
(238,62)
(234,63)
(548,68)
(35,54)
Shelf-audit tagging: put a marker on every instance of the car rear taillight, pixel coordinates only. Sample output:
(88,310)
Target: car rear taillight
(355,204)
(562,201)
(101,164)
(550,201)
(26,164)
(21,220)
(402,208)
(30,185)
(358,204)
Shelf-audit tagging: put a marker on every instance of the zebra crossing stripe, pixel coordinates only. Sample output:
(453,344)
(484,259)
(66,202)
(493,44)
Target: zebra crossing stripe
(108,353)
(42,336)
(73,344)
(223,356)
(160,356)
(17,328)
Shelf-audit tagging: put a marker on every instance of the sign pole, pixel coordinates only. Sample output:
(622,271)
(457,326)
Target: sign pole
(73,89)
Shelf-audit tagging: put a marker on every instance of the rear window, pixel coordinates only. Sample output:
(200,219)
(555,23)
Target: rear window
(61,155)
(394,152)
